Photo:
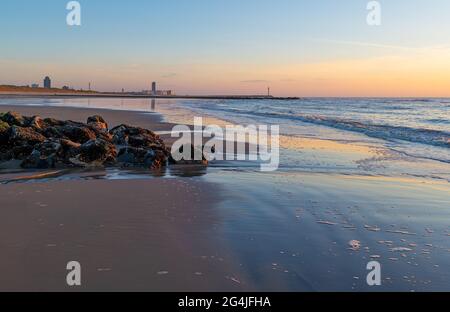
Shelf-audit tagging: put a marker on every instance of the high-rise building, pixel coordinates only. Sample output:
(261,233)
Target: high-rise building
(153,88)
(47,83)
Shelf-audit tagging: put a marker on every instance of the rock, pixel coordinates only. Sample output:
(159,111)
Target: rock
(24,136)
(6,156)
(5,151)
(43,156)
(37,123)
(98,123)
(13,119)
(51,122)
(160,159)
(131,155)
(135,136)
(141,147)
(99,151)
(120,135)
(69,150)
(4,126)
(76,162)
(102,135)
(140,157)
(46,143)
(53,132)
(76,133)
(21,152)
(355,245)
(4,132)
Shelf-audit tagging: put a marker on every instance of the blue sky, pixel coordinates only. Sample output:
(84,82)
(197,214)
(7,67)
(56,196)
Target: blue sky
(187,43)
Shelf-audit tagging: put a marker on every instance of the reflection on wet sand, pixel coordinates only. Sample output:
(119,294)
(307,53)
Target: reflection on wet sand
(23,176)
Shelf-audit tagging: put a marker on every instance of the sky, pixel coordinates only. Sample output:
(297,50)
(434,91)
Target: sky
(295,47)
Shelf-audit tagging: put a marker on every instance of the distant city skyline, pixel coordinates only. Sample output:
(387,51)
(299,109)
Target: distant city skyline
(48,84)
(297,48)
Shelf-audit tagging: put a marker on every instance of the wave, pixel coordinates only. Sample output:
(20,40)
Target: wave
(386,132)
(379,131)
(439,121)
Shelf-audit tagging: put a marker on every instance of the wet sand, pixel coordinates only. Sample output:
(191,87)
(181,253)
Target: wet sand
(291,231)
(149,235)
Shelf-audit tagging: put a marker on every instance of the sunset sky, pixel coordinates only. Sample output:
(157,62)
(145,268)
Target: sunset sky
(297,47)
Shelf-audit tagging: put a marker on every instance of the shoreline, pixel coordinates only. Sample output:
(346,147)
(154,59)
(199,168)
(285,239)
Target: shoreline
(144,96)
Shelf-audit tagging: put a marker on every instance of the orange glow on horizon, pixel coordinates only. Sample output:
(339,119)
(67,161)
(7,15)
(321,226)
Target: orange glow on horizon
(416,73)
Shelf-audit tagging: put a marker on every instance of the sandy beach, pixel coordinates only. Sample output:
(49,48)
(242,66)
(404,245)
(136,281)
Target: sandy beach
(129,234)
(229,228)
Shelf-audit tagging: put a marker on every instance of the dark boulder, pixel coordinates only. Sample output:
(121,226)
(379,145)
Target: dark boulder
(134,136)
(76,133)
(43,156)
(69,150)
(160,159)
(4,132)
(98,123)
(6,155)
(102,135)
(51,122)
(120,134)
(47,143)
(145,140)
(137,157)
(5,151)
(21,152)
(37,123)
(98,151)
(13,119)
(24,136)
(53,132)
